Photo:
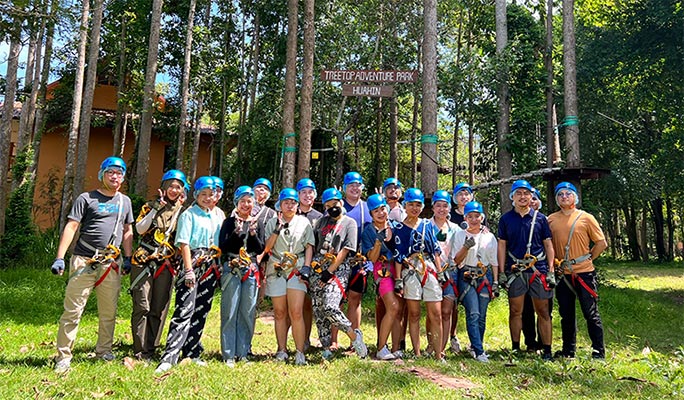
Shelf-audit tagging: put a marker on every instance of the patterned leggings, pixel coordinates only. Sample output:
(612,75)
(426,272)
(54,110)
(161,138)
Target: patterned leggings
(326,305)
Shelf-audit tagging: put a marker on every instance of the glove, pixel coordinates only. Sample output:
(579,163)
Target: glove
(495,289)
(399,286)
(326,276)
(551,279)
(127,265)
(57,267)
(368,267)
(469,243)
(443,277)
(381,235)
(305,273)
(157,205)
(190,278)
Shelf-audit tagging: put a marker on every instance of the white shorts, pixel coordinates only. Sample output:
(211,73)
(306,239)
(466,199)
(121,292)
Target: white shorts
(413,290)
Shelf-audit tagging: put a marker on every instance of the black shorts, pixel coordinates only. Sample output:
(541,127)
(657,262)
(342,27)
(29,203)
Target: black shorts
(358,283)
(521,285)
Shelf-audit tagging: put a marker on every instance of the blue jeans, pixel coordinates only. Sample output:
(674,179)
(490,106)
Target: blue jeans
(238,310)
(475,309)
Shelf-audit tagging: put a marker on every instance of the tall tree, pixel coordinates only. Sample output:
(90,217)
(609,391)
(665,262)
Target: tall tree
(504,158)
(289,142)
(120,120)
(67,190)
(306,96)
(429,139)
(570,82)
(185,85)
(87,106)
(149,97)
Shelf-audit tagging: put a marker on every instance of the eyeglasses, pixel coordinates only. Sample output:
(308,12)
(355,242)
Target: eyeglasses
(114,172)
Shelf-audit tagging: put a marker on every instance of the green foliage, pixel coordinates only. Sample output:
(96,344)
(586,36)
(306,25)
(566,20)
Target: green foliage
(18,240)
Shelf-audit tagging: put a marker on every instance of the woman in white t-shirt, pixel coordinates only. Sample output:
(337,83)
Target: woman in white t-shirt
(474,251)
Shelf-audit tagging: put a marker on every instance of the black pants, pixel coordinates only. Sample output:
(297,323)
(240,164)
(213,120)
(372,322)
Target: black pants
(589,306)
(529,328)
(206,286)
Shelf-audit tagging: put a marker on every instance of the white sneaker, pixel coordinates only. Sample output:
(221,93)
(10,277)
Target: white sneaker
(326,354)
(63,365)
(109,356)
(230,363)
(482,358)
(199,362)
(281,356)
(385,354)
(455,345)
(300,359)
(472,352)
(359,345)
(163,367)
(398,354)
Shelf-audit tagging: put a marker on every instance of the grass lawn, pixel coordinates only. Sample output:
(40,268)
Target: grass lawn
(642,309)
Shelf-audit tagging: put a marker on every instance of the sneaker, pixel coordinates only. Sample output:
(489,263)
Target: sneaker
(199,362)
(109,356)
(163,367)
(359,346)
(442,361)
(564,354)
(547,357)
(281,355)
(398,354)
(598,355)
(326,354)
(482,358)
(472,352)
(230,363)
(455,345)
(300,359)
(385,354)
(63,365)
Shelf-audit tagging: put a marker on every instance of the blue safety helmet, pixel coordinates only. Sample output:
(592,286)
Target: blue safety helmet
(441,195)
(204,182)
(391,181)
(241,192)
(566,186)
(265,182)
(376,201)
(111,162)
(536,194)
(520,184)
(175,174)
(330,194)
(352,177)
(414,195)
(472,206)
(288,193)
(461,186)
(305,183)
(219,182)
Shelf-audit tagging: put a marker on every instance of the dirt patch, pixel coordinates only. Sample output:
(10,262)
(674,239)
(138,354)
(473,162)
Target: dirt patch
(440,379)
(267,317)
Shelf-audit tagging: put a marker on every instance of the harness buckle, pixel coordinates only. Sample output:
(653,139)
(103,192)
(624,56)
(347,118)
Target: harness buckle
(102,257)
(287,262)
(384,272)
(322,263)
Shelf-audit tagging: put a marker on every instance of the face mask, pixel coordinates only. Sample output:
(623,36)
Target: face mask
(335,212)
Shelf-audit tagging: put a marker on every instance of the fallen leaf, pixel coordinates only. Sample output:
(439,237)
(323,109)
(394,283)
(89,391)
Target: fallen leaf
(23,349)
(646,351)
(129,363)
(163,377)
(99,395)
(4,371)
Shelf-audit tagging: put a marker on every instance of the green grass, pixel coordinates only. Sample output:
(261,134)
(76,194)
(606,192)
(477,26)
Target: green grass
(642,308)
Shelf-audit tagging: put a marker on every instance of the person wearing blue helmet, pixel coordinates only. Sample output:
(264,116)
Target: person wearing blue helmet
(154,263)
(462,194)
(241,239)
(290,241)
(262,192)
(573,232)
(475,252)
(391,189)
(524,255)
(444,230)
(103,219)
(376,245)
(532,335)
(306,188)
(335,250)
(197,237)
(417,257)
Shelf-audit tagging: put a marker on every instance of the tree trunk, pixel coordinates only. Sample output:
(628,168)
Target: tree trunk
(289,143)
(670,251)
(659,228)
(377,175)
(457,119)
(117,148)
(471,154)
(503,159)
(256,59)
(570,81)
(631,228)
(305,110)
(197,137)
(548,65)
(87,106)
(185,87)
(8,111)
(145,134)
(644,234)
(339,134)
(67,191)
(429,138)
(394,137)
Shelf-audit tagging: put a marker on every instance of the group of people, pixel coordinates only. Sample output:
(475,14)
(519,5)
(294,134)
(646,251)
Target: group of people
(310,263)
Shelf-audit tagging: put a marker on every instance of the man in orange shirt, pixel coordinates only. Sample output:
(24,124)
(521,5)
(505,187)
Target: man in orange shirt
(573,232)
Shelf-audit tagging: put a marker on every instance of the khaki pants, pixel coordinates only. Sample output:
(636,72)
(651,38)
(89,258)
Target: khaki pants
(81,283)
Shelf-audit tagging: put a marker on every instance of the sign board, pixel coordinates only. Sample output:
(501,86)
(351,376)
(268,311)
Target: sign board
(368,91)
(369,76)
